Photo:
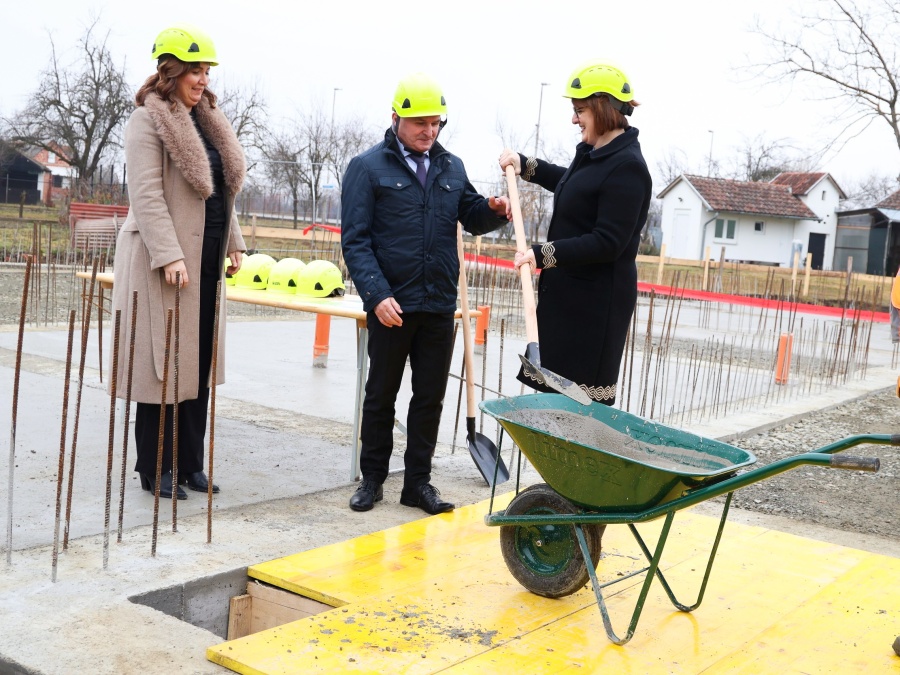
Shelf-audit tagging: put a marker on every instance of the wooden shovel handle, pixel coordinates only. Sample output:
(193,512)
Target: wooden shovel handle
(531,328)
(468,344)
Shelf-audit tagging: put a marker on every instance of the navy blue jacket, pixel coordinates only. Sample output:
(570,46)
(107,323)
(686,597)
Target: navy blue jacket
(399,239)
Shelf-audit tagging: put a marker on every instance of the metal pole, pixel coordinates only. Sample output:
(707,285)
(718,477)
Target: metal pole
(712,135)
(333,97)
(537,129)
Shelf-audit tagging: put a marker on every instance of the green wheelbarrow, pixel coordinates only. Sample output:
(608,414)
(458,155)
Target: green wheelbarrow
(603,466)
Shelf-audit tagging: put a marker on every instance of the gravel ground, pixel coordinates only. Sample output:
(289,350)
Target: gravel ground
(848,500)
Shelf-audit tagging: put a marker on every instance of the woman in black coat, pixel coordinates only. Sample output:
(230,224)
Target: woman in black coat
(588,282)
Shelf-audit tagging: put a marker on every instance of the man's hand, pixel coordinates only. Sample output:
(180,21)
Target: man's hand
(388,312)
(500,206)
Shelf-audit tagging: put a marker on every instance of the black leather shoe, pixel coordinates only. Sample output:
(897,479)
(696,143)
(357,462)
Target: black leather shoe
(197,481)
(165,485)
(366,495)
(426,497)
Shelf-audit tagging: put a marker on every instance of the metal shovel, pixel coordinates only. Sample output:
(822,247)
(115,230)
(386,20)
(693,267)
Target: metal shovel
(531,360)
(484,452)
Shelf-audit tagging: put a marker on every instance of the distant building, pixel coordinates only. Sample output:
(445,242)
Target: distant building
(870,237)
(58,176)
(18,173)
(763,223)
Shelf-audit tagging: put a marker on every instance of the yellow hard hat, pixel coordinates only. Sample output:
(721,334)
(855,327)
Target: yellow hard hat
(596,78)
(186,43)
(320,279)
(418,95)
(254,272)
(284,275)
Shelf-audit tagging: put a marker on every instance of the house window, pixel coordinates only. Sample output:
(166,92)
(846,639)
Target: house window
(759,226)
(823,195)
(57,181)
(51,157)
(725,229)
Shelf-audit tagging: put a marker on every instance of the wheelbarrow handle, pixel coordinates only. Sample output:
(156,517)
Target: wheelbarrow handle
(855,463)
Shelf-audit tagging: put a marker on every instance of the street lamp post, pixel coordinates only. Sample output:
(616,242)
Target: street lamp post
(333,97)
(709,161)
(537,129)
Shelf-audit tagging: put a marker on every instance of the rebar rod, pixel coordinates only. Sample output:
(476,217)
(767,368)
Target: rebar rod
(175,402)
(15,412)
(125,424)
(62,443)
(112,434)
(212,413)
(160,439)
(85,327)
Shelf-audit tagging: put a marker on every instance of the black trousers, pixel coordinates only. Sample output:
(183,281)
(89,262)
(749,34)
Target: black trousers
(192,412)
(427,340)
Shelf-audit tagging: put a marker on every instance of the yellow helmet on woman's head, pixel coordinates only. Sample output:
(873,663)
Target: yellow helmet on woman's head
(418,95)
(596,78)
(186,43)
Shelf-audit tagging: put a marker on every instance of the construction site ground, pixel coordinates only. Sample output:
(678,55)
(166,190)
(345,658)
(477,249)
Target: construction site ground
(282,452)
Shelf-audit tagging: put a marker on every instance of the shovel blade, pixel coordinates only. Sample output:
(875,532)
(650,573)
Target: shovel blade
(486,455)
(531,363)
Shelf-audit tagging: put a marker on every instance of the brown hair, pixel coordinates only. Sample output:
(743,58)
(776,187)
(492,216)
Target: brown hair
(606,118)
(164,81)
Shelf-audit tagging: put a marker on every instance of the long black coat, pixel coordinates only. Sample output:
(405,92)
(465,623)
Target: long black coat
(588,282)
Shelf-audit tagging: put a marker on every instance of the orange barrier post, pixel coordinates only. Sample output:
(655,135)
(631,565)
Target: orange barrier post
(320,345)
(481,324)
(783,366)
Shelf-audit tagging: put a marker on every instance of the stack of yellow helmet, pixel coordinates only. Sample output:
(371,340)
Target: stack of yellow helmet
(284,275)
(320,279)
(254,272)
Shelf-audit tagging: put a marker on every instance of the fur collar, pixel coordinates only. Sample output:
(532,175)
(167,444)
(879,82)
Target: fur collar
(185,147)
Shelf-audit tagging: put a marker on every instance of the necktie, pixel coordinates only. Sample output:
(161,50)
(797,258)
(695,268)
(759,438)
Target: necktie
(421,172)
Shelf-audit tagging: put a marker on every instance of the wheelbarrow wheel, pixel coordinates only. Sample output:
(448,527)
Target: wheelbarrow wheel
(546,559)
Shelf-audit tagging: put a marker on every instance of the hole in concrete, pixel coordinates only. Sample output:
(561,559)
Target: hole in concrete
(249,604)
(200,602)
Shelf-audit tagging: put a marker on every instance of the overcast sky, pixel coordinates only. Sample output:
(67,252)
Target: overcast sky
(490,57)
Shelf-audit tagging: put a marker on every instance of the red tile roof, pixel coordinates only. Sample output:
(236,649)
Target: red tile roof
(750,197)
(799,182)
(890,202)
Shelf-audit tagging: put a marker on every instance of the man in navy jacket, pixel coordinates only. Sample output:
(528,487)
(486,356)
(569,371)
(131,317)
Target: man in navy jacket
(400,204)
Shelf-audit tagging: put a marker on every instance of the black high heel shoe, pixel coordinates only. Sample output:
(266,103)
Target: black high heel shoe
(197,481)
(165,486)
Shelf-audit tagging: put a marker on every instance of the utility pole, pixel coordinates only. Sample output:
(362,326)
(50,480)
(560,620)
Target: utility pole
(712,135)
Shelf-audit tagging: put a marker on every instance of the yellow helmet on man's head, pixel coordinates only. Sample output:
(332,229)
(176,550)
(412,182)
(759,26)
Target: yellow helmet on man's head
(254,272)
(186,43)
(284,275)
(418,95)
(320,279)
(595,78)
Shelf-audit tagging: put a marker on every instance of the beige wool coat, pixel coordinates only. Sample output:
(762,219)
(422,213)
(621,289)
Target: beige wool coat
(169,179)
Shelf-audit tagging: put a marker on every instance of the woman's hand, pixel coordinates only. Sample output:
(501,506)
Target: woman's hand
(526,258)
(174,268)
(510,158)
(236,258)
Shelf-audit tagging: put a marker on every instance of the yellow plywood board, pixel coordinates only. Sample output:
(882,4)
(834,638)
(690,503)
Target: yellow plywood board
(435,595)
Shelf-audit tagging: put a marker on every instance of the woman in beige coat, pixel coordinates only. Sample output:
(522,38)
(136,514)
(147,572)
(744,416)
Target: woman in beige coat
(185,166)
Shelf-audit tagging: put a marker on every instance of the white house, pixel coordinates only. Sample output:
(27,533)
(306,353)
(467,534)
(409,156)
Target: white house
(755,222)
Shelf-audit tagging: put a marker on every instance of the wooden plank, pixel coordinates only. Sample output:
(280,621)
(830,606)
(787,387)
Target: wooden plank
(239,616)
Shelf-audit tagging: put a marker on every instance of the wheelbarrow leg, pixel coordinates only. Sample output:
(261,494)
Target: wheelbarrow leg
(709,564)
(645,588)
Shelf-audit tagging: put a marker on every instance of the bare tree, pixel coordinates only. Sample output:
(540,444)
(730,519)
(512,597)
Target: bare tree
(671,165)
(868,191)
(349,138)
(246,108)
(846,49)
(283,152)
(78,110)
(760,160)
